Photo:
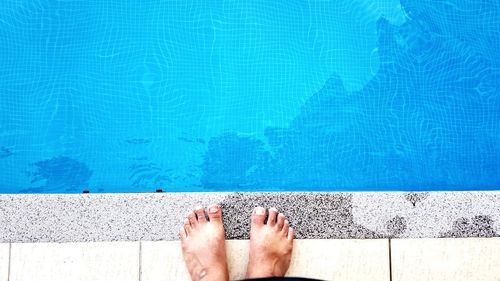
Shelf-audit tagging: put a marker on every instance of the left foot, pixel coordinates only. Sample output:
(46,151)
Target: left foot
(203,245)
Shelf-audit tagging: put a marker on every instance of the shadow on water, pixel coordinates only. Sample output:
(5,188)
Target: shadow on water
(59,173)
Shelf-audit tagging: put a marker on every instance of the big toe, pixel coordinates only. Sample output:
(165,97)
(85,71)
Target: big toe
(215,213)
(258,216)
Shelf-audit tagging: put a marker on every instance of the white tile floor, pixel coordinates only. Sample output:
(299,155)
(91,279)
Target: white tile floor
(324,259)
(411,259)
(75,261)
(446,259)
(4,262)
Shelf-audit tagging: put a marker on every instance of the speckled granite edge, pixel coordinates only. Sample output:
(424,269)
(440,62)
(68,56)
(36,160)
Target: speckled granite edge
(158,216)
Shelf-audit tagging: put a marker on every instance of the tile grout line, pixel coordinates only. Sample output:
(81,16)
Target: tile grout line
(8,266)
(390,260)
(140,260)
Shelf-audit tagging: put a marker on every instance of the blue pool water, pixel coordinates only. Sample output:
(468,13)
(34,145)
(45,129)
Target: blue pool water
(125,96)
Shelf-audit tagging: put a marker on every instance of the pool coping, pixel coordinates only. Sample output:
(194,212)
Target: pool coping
(314,215)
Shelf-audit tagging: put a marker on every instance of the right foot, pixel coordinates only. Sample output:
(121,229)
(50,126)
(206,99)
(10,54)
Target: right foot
(270,244)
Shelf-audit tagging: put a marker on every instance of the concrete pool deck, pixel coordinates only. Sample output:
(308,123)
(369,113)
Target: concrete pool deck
(457,259)
(341,236)
(157,216)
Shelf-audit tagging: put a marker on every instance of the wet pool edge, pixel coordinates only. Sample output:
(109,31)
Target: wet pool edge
(328,215)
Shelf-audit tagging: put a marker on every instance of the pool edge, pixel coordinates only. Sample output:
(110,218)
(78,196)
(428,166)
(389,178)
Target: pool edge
(328,215)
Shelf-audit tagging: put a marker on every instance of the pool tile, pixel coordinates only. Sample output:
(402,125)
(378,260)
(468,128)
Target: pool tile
(467,259)
(75,261)
(324,259)
(4,261)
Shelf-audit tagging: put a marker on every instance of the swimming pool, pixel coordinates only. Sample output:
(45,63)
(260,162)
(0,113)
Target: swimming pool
(127,96)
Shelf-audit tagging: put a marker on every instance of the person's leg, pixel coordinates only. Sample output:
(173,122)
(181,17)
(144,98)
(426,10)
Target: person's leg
(203,245)
(282,279)
(271,244)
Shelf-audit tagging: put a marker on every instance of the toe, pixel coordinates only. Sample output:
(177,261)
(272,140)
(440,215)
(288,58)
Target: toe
(286,227)
(291,234)
(187,227)
(200,214)
(182,233)
(271,218)
(281,221)
(215,213)
(192,218)
(258,216)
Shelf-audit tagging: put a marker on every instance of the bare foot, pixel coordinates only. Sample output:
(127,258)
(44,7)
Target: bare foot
(203,245)
(271,244)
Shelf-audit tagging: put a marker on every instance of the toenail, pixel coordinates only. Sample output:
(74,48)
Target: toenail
(213,209)
(259,211)
(198,208)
